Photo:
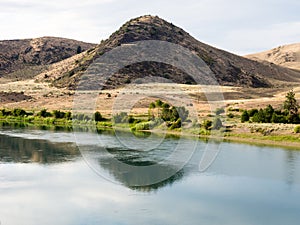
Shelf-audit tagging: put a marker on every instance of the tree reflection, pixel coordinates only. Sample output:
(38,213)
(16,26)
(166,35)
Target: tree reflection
(20,150)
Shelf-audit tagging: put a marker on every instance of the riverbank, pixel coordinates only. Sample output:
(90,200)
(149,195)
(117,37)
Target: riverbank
(257,134)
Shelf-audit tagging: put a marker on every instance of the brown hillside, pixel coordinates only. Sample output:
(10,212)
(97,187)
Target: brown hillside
(228,68)
(22,59)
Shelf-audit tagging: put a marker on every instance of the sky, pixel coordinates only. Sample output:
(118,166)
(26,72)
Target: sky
(238,26)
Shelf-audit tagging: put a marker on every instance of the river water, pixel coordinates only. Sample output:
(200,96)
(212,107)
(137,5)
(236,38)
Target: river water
(61,177)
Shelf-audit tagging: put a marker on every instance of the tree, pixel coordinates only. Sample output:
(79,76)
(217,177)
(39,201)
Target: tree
(79,50)
(291,107)
(219,111)
(259,117)
(158,104)
(97,116)
(252,112)
(217,124)
(183,113)
(245,116)
(121,117)
(269,111)
(151,108)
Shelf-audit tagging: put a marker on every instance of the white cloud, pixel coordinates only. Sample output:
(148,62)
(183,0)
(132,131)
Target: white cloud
(233,24)
(252,40)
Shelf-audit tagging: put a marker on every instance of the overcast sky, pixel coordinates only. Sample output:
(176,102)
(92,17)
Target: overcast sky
(239,26)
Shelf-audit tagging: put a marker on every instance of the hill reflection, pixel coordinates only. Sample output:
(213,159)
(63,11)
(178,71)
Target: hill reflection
(20,150)
(131,169)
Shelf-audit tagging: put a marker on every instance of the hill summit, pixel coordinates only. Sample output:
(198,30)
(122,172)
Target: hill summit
(229,69)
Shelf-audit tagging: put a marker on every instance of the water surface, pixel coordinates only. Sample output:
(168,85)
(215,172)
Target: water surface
(45,180)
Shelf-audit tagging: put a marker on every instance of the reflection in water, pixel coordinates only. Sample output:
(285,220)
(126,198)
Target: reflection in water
(290,167)
(108,155)
(127,177)
(21,150)
(16,149)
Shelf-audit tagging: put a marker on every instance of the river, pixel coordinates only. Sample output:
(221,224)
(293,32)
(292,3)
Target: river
(63,177)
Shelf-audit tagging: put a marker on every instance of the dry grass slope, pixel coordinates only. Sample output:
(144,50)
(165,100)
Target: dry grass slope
(286,56)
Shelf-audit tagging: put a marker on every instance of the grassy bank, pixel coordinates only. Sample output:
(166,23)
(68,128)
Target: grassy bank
(259,135)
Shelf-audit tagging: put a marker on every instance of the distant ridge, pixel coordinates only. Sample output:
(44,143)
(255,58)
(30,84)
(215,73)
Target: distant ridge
(286,56)
(24,58)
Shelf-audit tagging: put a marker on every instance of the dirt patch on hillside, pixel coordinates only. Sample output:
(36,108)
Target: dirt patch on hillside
(9,97)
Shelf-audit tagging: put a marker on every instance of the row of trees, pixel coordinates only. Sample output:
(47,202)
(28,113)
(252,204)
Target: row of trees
(57,114)
(289,113)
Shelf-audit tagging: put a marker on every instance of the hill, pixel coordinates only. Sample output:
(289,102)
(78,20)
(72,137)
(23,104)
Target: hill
(22,59)
(286,56)
(229,69)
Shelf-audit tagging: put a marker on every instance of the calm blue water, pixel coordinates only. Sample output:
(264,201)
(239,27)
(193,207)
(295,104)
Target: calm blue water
(45,179)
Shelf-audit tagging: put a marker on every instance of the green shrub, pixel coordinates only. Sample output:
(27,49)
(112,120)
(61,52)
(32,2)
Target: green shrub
(142,126)
(131,119)
(168,113)
(233,109)
(206,124)
(5,112)
(58,114)
(68,115)
(252,112)
(297,129)
(176,124)
(19,112)
(245,117)
(230,115)
(29,119)
(44,113)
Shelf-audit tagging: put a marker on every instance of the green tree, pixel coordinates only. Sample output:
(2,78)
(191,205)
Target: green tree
(259,117)
(245,116)
(268,113)
(151,109)
(158,104)
(183,113)
(219,111)
(121,117)
(252,112)
(291,107)
(174,114)
(217,124)
(97,116)
(79,50)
